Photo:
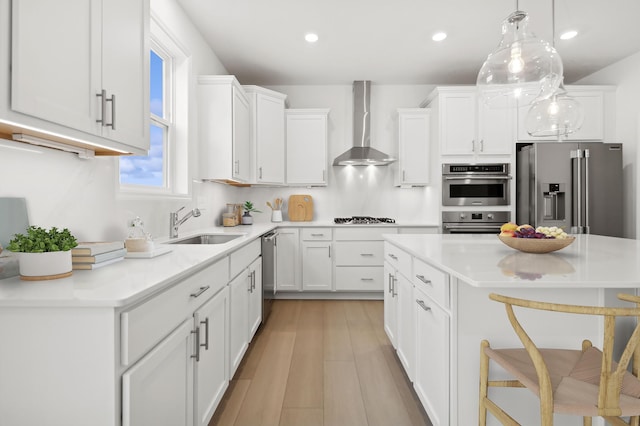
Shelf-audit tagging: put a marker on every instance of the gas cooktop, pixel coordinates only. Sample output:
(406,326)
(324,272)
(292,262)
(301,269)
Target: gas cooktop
(362,220)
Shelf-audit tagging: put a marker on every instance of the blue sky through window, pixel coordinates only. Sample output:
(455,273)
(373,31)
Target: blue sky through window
(149,170)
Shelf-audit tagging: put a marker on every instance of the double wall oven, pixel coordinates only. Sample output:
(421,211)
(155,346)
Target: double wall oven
(469,186)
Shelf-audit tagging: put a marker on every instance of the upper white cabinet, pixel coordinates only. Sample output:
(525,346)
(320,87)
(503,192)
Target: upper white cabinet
(267,134)
(307,135)
(412,167)
(598,106)
(465,126)
(80,71)
(224,121)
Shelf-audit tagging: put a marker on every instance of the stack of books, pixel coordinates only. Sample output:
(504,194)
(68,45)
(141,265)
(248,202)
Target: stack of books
(98,254)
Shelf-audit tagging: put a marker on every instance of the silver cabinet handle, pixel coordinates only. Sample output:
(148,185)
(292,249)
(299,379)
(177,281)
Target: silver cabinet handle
(473,145)
(206,333)
(197,333)
(393,256)
(236,166)
(366,279)
(422,305)
(481,145)
(253,280)
(250,276)
(113,112)
(423,279)
(404,175)
(329,251)
(103,105)
(317,235)
(366,254)
(395,293)
(260,169)
(389,282)
(199,292)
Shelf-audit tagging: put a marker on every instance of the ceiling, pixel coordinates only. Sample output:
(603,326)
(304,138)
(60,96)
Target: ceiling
(389,42)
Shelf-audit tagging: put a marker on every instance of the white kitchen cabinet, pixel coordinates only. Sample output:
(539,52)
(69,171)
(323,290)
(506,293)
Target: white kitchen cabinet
(239,289)
(224,122)
(598,106)
(164,374)
(306,141)
(84,66)
(431,381)
(465,126)
(211,367)
(316,266)
(267,134)
(406,336)
(412,167)
(255,296)
(390,304)
(288,260)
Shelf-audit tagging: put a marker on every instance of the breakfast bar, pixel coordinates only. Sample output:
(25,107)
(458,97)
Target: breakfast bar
(437,310)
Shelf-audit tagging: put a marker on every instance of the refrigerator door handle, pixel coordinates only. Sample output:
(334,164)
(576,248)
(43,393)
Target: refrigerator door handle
(576,184)
(585,225)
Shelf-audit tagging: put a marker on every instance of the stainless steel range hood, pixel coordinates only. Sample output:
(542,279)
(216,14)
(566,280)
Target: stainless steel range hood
(361,154)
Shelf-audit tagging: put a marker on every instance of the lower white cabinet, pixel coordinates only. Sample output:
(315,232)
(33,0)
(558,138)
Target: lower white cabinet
(405,335)
(390,304)
(316,266)
(158,389)
(288,260)
(211,367)
(255,296)
(239,289)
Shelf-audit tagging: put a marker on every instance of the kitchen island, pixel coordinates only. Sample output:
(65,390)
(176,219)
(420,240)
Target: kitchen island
(437,310)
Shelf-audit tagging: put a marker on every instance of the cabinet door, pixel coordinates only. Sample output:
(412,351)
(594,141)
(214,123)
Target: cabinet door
(413,149)
(125,70)
(306,148)
(56,61)
(495,130)
(316,265)
(255,297)
(406,324)
(211,370)
(432,349)
(288,260)
(164,375)
(241,137)
(458,123)
(269,139)
(390,304)
(238,320)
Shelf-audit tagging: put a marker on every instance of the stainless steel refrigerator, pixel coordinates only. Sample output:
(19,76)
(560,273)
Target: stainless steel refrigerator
(576,186)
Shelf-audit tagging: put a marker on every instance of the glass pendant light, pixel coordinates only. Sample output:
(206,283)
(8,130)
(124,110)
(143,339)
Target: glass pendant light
(521,69)
(556,115)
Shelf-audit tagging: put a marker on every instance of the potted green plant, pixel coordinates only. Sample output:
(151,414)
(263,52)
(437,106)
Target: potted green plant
(43,254)
(248,207)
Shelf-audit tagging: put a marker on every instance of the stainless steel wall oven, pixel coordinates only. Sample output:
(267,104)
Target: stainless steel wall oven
(475,184)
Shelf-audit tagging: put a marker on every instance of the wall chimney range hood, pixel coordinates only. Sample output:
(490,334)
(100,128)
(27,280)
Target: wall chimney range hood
(361,154)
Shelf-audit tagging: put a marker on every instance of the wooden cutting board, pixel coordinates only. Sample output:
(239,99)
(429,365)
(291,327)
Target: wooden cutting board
(300,208)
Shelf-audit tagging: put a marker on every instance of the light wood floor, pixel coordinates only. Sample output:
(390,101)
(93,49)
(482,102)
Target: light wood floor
(321,363)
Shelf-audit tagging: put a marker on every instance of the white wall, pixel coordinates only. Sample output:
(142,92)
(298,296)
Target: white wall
(625,74)
(65,191)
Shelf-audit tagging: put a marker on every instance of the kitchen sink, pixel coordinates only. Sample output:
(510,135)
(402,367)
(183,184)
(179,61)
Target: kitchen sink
(207,239)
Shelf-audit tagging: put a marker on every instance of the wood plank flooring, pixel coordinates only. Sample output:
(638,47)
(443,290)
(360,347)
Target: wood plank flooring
(321,363)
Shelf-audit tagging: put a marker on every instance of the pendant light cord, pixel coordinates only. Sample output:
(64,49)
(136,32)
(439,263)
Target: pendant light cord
(553,23)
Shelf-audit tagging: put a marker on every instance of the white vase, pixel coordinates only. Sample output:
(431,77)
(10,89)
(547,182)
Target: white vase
(276,216)
(45,266)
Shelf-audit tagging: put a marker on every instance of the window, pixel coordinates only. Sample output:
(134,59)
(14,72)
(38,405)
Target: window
(164,171)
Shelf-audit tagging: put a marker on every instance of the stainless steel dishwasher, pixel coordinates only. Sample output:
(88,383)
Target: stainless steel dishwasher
(269,253)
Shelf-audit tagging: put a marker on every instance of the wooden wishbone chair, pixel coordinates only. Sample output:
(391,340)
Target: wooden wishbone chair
(585,382)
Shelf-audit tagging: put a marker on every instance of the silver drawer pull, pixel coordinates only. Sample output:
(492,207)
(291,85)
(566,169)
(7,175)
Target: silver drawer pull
(206,334)
(366,254)
(366,279)
(199,292)
(317,235)
(423,279)
(393,256)
(422,305)
(197,333)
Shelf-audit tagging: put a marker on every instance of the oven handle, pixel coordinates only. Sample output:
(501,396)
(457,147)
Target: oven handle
(477,177)
(487,227)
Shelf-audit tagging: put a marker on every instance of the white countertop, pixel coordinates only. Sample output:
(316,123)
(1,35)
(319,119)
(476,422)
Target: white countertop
(592,261)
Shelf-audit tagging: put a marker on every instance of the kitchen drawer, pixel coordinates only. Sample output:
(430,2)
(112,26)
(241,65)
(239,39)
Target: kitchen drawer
(242,258)
(148,323)
(363,234)
(433,282)
(316,234)
(359,278)
(359,253)
(399,259)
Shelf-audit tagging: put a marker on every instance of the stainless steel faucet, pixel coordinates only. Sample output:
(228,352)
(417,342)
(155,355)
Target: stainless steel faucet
(174,223)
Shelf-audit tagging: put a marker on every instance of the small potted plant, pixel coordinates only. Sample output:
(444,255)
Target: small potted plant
(42,254)
(247,219)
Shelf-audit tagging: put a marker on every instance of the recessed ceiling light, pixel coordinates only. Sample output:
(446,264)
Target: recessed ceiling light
(439,36)
(568,35)
(311,37)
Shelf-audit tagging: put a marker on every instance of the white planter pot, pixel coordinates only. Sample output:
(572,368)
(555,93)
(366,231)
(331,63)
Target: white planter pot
(45,266)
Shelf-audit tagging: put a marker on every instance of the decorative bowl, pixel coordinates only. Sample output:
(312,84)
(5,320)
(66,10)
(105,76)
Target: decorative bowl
(535,245)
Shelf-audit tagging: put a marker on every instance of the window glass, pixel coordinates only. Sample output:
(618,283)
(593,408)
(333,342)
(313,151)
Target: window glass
(157,84)
(146,170)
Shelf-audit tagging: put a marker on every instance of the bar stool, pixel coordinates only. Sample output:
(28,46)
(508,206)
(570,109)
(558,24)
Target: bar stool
(584,382)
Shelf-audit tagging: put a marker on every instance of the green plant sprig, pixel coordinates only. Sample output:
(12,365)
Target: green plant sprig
(248,207)
(39,240)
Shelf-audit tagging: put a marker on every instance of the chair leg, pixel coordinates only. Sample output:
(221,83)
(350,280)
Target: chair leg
(484,383)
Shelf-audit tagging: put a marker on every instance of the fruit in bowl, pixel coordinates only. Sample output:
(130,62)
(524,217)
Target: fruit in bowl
(526,238)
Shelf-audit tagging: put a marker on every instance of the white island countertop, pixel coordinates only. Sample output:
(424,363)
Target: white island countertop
(592,261)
